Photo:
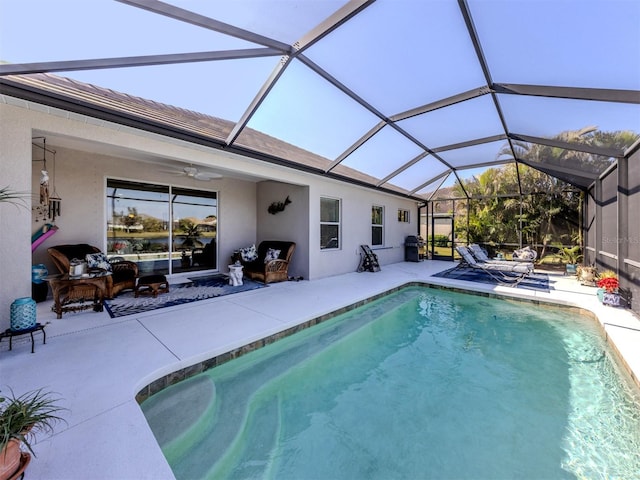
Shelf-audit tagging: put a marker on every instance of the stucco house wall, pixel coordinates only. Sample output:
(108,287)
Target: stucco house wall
(292,224)
(96,150)
(15,220)
(356,206)
(80,180)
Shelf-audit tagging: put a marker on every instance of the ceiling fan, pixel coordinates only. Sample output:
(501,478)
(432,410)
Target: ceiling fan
(193,172)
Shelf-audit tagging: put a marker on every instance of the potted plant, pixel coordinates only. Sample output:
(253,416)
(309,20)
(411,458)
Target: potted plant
(608,285)
(571,257)
(21,419)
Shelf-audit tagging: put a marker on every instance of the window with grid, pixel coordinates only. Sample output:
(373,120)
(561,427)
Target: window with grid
(329,223)
(377,225)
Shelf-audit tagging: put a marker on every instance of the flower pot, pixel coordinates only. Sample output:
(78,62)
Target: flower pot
(611,299)
(600,294)
(571,269)
(10,459)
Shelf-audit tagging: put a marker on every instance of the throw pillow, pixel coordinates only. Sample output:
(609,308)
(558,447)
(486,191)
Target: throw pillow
(98,260)
(272,254)
(249,254)
(525,253)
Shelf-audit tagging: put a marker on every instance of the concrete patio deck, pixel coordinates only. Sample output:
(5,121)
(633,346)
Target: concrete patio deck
(98,364)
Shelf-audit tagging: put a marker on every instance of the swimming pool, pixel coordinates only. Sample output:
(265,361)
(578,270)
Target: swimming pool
(423,383)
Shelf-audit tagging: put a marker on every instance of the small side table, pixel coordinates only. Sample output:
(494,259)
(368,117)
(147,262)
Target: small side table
(16,333)
(235,275)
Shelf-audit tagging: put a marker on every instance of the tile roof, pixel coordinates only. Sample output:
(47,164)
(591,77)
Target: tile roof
(205,127)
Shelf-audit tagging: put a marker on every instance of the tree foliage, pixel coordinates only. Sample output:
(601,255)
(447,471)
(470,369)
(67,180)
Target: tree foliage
(549,209)
(497,214)
(548,212)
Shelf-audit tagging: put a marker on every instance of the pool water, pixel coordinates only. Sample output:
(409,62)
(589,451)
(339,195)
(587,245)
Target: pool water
(423,383)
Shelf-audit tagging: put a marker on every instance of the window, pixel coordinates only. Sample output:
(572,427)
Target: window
(403,215)
(164,229)
(377,226)
(329,223)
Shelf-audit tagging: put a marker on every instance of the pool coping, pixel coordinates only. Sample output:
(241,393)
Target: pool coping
(97,364)
(181,374)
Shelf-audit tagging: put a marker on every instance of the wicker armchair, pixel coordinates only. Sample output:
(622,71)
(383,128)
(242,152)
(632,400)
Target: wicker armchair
(273,270)
(123,273)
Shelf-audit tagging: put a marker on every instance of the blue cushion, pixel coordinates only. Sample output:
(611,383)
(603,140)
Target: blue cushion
(249,254)
(272,254)
(98,260)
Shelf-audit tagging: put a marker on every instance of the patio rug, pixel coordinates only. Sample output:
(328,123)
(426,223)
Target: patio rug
(533,281)
(199,288)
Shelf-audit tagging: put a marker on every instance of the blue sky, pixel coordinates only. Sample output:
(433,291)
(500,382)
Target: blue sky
(396,54)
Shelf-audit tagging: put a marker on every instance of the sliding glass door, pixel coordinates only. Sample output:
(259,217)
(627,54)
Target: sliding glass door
(194,229)
(163,229)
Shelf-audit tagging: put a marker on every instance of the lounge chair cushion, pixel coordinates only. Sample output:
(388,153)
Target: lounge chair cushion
(481,255)
(525,253)
(478,252)
(470,260)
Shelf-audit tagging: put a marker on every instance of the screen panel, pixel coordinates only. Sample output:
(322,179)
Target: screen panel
(610,213)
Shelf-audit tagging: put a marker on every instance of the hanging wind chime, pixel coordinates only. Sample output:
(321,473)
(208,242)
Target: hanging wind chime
(49,207)
(54,198)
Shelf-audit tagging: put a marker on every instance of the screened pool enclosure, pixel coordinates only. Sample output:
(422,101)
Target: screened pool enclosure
(455,104)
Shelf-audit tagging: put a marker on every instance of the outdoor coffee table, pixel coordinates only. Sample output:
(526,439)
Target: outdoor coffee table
(153,284)
(72,294)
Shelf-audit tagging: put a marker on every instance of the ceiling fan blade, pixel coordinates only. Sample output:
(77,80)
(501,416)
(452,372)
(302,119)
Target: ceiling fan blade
(207,175)
(193,172)
(173,172)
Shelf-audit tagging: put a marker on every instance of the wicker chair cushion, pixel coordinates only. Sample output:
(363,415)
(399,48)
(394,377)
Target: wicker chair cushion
(272,254)
(249,254)
(98,260)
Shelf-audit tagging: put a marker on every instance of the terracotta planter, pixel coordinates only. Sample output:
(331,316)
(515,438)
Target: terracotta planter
(10,459)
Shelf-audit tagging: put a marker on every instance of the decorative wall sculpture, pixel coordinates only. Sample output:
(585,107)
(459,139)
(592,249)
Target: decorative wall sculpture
(276,207)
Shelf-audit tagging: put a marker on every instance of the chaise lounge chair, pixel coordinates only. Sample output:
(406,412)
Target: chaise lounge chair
(504,274)
(481,256)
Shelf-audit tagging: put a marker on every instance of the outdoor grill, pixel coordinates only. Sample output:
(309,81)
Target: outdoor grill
(412,246)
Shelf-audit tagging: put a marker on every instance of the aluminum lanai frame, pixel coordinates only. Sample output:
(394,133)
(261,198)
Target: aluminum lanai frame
(296,50)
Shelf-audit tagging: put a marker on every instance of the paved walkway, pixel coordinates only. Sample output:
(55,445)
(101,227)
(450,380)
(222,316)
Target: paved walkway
(98,364)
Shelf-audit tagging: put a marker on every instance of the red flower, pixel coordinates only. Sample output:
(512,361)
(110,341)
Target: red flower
(610,284)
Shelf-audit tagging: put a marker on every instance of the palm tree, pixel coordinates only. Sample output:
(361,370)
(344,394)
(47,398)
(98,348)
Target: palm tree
(548,209)
(590,135)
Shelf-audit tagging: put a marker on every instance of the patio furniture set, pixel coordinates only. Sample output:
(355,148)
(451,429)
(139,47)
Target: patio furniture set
(87,277)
